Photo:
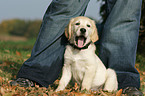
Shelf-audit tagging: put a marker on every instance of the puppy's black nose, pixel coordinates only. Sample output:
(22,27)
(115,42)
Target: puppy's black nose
(83,30)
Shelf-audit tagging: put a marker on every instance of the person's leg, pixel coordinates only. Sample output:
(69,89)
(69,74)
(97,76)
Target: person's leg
(119,40)
(46,59)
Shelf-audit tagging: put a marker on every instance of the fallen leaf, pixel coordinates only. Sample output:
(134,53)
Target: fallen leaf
(54,95)
(141,78)
(103,93)
(25,60)
(28,55)
(80,94)
(26,94)
(18,53)
(1,80)
(4,64)
(56,82)
(8,51)
(2,91)
(45,94)
(143,73)
(76,87)
(13,68)
(37,86)
(119,92)
(14,76)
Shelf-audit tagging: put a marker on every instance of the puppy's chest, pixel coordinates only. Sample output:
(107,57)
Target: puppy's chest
(78,68)
(78,65)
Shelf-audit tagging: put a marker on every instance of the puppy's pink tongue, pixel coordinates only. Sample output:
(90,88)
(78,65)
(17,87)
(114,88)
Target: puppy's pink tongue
(80,42)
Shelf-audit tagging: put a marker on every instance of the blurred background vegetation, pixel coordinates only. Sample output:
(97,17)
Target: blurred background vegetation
(141,44)
(17,27)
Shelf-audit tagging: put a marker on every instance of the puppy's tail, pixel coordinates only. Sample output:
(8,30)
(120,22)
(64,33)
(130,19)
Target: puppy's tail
(111,83)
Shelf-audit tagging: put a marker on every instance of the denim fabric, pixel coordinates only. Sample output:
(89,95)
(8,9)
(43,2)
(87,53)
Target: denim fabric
(46,59)
(117,42)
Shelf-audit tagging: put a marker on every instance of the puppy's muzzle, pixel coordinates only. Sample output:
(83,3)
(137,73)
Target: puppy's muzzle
(81,38)
(80,41)
(83,30)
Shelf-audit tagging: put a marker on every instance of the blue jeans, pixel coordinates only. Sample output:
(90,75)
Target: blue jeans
(118,41)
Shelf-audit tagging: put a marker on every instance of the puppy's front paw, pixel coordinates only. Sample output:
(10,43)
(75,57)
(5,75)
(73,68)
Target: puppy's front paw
(58,89)
(109,89)
(85,88)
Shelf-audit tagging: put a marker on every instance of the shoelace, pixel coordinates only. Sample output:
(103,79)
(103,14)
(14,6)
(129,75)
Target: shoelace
(23,81)
(129,89)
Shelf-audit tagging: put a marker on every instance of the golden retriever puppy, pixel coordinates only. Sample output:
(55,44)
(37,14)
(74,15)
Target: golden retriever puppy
(81,63)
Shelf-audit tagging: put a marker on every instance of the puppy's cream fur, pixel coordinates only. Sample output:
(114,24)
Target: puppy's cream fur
(83,65)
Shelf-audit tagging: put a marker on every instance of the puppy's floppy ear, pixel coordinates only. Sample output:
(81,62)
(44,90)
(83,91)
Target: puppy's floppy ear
(94,36)
(68,29)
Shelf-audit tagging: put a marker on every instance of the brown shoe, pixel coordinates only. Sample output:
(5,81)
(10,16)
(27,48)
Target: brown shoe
(132,91)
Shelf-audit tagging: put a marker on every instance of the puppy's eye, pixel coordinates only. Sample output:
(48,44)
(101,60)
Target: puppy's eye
(88,26)
(77,23)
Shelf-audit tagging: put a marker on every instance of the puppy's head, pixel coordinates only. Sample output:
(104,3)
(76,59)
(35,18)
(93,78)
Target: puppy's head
(80,31)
